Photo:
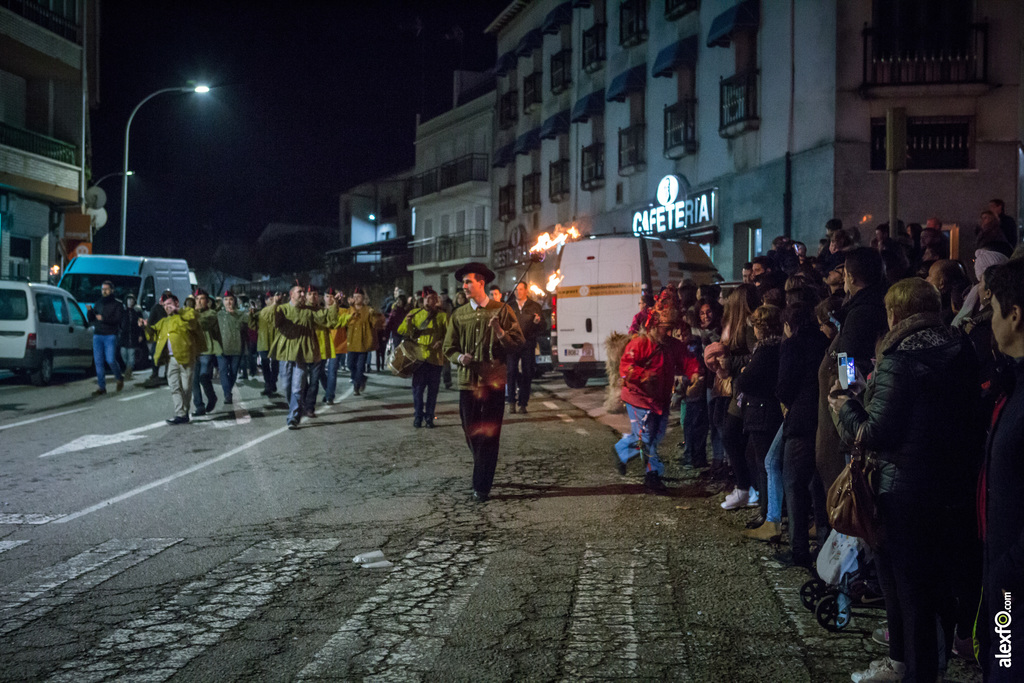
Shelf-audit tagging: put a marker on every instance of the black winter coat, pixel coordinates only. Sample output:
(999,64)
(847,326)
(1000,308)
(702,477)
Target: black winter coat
(799,359)
(757,382)
(112,311)
(862,323)
(921,413)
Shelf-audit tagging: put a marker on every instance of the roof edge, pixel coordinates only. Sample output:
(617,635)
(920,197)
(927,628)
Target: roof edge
(506,16)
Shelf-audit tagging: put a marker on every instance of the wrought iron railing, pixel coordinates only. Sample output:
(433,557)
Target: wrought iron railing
(887,62)
(632,151)
(531,191)
(507,202)
(558,180)
(592,167)
(508,109)
(469,244)
(561,71)
(935,142)
(48,147)
(681,128)
(738,99)
(677,8)
(39,14)
(632,22)
(471,167)
(594,49)
(532,91)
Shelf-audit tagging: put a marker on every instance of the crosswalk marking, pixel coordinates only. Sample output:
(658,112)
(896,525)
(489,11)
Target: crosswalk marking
(157,645)
(10,545)
(35,595)
(399,631)
(551,404)
(18,519)
(565,418)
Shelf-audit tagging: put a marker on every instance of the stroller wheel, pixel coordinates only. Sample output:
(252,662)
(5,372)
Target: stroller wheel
(811,592)
(830,616)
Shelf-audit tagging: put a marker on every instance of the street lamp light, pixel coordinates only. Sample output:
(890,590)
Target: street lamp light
(125,173)
(111,175)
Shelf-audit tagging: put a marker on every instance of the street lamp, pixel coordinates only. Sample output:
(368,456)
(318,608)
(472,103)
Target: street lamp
(125,173)
(111,175)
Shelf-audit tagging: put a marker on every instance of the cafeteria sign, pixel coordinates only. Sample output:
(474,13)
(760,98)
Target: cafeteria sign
(697,210)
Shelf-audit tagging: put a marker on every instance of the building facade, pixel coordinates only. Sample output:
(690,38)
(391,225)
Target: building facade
(768,115)
(44,51)
(451,192)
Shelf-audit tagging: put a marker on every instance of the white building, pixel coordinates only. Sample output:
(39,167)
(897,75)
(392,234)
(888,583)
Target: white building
(451,192)
(771,113)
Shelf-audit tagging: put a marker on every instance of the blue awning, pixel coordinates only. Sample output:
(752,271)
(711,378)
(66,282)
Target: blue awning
(588,106)
(556,18)
(505,63)
(626,82)
(527,142)
(555,126)
(502,156)
(530,42)
(675,56)
(746,14)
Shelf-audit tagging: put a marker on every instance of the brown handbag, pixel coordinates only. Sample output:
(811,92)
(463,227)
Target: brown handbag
(851,498)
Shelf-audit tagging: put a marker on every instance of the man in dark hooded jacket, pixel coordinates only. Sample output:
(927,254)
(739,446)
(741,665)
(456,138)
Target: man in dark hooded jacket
(106,317)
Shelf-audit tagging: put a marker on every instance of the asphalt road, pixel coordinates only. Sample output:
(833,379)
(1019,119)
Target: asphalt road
(223,550)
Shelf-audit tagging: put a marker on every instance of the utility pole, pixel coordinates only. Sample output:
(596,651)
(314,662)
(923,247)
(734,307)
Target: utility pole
(895,157)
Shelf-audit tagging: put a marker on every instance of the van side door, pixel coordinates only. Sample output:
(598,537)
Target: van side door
(81,336)
(52,319)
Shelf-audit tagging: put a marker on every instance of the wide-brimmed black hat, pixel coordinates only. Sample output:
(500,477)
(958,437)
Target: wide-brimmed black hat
(480,269)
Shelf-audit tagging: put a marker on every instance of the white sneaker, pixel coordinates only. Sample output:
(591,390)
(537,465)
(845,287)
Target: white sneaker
(735,500)
(753,498)
(884,669)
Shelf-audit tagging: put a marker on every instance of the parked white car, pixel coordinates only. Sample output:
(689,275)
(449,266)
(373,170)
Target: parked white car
(42,329)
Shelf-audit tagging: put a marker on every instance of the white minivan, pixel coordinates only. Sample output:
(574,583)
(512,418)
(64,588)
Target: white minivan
(600,291)
(42,329)
(142,276)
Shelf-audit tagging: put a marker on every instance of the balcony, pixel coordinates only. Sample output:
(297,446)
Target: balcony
(459,247)
(632,22)
(680,128)
(27,141)
(892,59)
(738,104)
(508,110)
(39,14)
(632,150)
(592,167)
(507,203)
(39,164)
(594,49)
(558,180)
(465,169)
(532,91)
(531,192)
(561,71)
(674,9)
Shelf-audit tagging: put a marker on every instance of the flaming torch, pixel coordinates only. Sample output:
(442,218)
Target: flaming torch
(552,240)
(553,281)
(537,291)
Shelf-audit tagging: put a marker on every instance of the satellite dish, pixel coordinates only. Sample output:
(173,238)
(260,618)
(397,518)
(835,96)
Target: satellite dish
(98,217)
(95,197)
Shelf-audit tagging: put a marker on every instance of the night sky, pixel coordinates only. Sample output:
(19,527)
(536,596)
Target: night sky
(309,99)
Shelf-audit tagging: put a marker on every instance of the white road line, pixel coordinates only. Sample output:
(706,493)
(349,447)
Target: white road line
(551,404)
(565,418)
(10,545)
(582,431)
(35,595)
(40,419)
(96,440)
(28,519)
(142,395)
(242,416)
(400,630)
(169,478)
(157,645)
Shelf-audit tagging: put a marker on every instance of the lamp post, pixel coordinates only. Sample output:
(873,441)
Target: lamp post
(127,129)
(111,175)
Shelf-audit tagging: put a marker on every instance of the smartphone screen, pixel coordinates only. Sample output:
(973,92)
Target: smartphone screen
(847,371)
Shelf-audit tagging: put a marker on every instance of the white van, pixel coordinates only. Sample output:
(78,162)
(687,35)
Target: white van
(600,290)
(144,277)
(42,329)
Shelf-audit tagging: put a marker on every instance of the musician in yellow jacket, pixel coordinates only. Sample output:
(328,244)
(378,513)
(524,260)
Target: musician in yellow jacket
(362,325)
(180,336)
(427,327)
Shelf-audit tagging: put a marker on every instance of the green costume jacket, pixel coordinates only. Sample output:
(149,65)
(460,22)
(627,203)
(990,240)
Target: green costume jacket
(231,327)
(265,327)
(416,327)
(181,333)
(210,331)
(296,337)
(470,332)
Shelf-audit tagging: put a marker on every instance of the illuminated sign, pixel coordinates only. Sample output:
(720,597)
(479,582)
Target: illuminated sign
(696,210)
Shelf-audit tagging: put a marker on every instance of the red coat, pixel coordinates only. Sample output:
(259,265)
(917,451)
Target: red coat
(649,369)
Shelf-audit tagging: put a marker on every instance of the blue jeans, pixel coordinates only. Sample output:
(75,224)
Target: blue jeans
(295,379)
(228,367)
(357,368)
(648,426)
(426,379)
(773,466)
(103,354)
(330,378)
(202,381)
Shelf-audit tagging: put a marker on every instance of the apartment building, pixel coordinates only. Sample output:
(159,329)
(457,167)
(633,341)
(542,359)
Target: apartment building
(43,120)
(732,122)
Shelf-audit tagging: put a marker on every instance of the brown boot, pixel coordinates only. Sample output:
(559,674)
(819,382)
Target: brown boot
(765,532)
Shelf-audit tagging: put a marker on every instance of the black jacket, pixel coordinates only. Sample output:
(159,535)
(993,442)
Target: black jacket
(799,359)
(112,312)
(130,335)
(761,410)
(525,317)
(862,323)
(921,412)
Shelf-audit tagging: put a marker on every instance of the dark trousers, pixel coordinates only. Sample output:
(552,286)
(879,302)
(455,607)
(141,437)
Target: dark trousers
(481,411)
(316,371)
(202,381)
(757,450)
(521,367)
(736,448)
(803,490)
(695,433)
(357,361)
(271,368)
(425,381)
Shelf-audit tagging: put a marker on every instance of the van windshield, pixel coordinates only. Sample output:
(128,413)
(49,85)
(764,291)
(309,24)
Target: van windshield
(86,287)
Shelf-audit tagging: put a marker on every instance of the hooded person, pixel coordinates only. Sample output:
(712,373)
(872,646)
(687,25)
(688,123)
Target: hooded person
(983,260)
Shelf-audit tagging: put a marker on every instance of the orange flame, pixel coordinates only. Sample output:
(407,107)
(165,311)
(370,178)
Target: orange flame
(549,241)
(865,218)
(534,289)
(553,281)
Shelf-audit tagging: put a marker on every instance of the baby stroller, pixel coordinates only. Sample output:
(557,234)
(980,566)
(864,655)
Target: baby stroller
(848,579)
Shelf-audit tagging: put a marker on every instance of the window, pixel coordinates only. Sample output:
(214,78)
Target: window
(77,318)
(680,128)
(21,247)
(594,51)
(13,304)
(86,287)
(531,91)
(558,180)
(678,8)
(934,142)
(508,111)
(561,71)
(738,103)
(632,22)
(531,192)
(632,153)
(507,203)
(148,299)
(50,308)
(592,167)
